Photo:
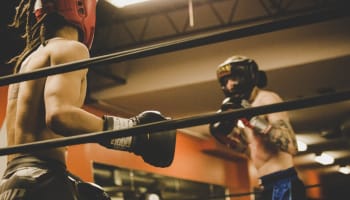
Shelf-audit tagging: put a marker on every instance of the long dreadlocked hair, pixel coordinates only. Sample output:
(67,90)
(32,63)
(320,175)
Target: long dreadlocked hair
(35,32)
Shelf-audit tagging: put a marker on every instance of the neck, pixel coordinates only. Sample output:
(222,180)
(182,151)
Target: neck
(68,32)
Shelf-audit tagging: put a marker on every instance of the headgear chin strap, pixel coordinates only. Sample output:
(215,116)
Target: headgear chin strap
(80,13)
(245,71)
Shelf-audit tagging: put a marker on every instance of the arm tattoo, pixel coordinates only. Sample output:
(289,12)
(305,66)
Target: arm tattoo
(282,136)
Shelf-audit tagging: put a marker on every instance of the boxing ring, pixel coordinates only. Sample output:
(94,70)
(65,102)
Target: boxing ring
(179,123)
(167,124)
(174,123)
(155,126)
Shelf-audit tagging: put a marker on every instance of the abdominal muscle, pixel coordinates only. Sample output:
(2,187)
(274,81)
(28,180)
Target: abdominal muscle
(265,160)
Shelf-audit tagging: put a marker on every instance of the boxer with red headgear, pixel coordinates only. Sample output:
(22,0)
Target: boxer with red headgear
(57,32)
(80,13)
(267,140)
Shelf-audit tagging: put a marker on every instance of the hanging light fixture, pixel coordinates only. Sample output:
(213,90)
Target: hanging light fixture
(152,196)
(301,146)
(324,159)
(344,169)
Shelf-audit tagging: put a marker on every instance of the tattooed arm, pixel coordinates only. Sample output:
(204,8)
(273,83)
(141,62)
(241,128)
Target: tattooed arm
(282,136)
(279,133)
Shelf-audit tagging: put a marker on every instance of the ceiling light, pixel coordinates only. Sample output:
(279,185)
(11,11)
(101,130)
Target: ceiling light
(324,159)
(301,146)
(344,169)
(152,196)
(123,3)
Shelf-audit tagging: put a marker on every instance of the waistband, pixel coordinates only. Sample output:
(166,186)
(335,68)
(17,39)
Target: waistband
(269,179)
(34,161)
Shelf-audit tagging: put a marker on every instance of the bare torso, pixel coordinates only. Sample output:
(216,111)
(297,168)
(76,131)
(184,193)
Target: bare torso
(26,113)
(265,159)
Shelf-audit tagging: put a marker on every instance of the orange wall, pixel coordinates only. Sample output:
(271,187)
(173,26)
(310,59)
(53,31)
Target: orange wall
(189,163)
(3,101)
(3,142)
(311,177)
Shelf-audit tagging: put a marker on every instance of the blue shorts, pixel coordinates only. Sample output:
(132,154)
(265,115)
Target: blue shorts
(282,185)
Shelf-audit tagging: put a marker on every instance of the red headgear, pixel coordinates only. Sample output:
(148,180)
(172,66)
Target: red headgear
(80,13)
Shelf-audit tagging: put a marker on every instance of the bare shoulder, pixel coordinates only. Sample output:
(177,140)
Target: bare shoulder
(282,134)
(265,97)
(63,51)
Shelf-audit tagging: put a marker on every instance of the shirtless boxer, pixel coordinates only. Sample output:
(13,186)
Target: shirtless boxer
(268,140)
(56,32)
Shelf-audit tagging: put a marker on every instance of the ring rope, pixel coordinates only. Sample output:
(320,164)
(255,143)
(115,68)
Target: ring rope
(164,47)
(178,123)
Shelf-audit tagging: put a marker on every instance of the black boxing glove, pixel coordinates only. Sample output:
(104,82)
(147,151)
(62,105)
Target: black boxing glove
(224,132)
(221,129)
(230,103)
(156,149)
(87,190)
(91,191)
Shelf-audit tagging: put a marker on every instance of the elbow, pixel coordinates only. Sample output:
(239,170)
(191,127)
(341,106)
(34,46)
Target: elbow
(55,121)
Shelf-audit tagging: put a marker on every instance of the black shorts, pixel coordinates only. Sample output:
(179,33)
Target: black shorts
(282,185)
(33,178)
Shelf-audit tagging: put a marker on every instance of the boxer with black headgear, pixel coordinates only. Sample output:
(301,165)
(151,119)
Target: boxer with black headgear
(267,140)
(57,32)
(244,74)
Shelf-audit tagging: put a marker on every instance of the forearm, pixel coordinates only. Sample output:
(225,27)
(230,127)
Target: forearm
(282,136)
(278,134)
(70,121)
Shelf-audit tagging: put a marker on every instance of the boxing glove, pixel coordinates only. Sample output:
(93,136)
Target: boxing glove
(156,148)
(230,103)
(86,190)
(221,129)
(226,133)
(91,191)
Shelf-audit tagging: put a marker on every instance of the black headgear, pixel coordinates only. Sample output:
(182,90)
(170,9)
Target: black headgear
(246,71)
